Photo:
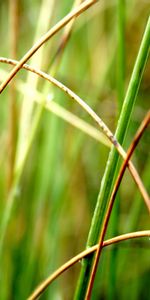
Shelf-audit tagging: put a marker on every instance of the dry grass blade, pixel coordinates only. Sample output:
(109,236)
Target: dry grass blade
(76,12)
(65,38)
(130,151)
(96,118)
(81,255)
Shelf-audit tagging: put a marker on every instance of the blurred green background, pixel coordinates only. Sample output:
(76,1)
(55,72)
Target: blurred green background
(60,180)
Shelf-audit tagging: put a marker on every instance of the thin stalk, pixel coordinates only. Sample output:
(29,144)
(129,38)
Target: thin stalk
(76,12)
(136,207)
(109,175)
(64,41)
(95,117)
(135,142)
(134,218)
(41,288)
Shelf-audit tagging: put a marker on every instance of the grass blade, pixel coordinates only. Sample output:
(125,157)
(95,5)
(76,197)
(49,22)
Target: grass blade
(109,175)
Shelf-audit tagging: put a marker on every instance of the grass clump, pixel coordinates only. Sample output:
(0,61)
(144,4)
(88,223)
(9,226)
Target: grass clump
(88,69)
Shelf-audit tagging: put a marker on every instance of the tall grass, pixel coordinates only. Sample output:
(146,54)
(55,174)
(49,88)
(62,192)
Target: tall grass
(50,172)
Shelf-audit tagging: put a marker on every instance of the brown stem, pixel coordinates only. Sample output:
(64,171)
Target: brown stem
(41,288)
(130,151)
(64,40)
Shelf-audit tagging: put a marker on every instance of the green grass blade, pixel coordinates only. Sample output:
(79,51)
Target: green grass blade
(121,52)
(113,228)
(109,174)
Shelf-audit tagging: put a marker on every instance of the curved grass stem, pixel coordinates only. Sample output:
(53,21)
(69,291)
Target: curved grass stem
(95,117)
(42,287)
(76,12)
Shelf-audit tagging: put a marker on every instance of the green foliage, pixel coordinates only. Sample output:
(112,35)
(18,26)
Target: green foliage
(48,190)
